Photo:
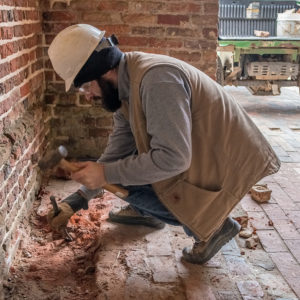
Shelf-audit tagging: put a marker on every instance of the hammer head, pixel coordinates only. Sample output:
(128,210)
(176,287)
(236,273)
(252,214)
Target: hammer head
(53,158)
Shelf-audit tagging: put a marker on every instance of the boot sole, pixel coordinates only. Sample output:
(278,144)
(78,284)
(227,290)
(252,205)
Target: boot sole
(146,221)
(206,255)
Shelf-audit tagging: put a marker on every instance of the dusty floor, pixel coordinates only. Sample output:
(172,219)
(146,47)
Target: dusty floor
(109,261)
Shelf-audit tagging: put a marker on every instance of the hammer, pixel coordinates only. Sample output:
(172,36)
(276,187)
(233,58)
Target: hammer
(57,158)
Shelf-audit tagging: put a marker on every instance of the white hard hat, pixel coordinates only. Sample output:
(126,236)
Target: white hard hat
(71,48)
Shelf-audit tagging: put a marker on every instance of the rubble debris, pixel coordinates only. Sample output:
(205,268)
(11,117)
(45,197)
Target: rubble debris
(250,243)
(256,238)
(50,268)
(243,221)
(245,233)
(260,193)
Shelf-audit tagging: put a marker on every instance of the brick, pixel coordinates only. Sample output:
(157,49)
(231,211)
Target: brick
(113,5)
(137,287)
(104,122)
(25,89)
(250,288)
(294,217)
(294,284)
(139,19)
(186,56)
(163,268)
(99,132)
(32,3)
(211,8)
(260,258)
(59,16)
(21,3)
(231,248)
(116,29)
(259,220)
(228,295)
(10,15)
(7,49)
(196,289)
(294,247)
(7,33)
(32,15)
(286,264)
(286,229)
(210,33)
(4,69)
(54,27)
(293,192)
(142,6)
(154,31)
(172,19)
(136,262)
(204,22)
(271,241)
(184,32)
(237,265)
(282,198)
(5,106)
(165,43)
(274,211)
(133,41)
(158,244)
(195,8)
(192,44)
(250,205)
(19,62)
(19,30)
(209,55)
(183,7)
(97,16)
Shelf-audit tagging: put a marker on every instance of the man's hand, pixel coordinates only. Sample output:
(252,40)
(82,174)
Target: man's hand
(91,175)
(61,220)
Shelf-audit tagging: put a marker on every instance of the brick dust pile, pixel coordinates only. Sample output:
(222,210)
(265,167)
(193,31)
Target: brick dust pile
(49,268)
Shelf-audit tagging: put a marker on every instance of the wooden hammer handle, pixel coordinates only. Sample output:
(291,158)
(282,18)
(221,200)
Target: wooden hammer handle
(115,189)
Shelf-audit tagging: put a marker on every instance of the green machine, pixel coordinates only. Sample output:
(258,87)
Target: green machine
(259,45)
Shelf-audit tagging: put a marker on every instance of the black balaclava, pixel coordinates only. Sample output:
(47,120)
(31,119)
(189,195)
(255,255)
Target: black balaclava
(98,64)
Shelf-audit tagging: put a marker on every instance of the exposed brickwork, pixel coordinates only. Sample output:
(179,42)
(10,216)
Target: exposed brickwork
(22,129)
(176,28)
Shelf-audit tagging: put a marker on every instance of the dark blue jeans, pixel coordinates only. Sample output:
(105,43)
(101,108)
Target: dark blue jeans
(145,201)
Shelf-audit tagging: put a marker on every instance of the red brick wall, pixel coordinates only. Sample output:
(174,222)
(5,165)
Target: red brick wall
(183,29)
(22,128)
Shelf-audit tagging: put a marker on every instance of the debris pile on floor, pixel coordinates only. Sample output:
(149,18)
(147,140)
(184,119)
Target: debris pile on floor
(48,267)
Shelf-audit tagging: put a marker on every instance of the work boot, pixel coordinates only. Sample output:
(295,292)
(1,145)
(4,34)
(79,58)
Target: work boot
(128,215)
(201,252)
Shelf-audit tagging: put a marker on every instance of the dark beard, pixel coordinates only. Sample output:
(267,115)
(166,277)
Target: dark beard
(110,95)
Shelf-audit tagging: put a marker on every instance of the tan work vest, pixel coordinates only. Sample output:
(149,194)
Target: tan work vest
(229,154)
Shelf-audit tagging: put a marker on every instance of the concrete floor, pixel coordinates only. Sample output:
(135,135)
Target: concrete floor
(140,263)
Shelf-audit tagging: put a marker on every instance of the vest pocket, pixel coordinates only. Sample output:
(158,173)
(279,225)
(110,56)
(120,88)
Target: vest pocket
(188,200)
